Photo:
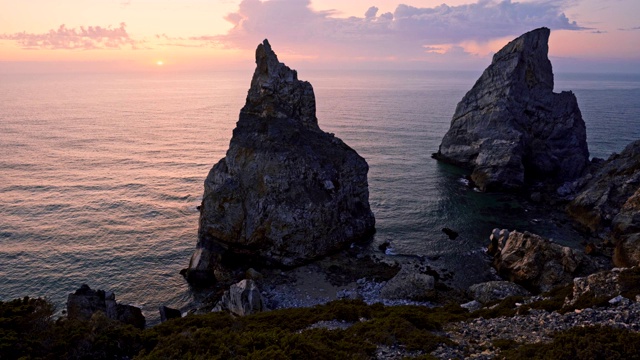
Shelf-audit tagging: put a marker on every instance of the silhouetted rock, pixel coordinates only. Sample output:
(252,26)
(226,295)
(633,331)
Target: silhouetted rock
(452,234)
(537,263)
(511,128)
(84,302)
(167,313)
(286,192)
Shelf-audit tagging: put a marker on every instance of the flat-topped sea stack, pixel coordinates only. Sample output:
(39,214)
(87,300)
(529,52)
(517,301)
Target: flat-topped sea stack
(511,129)
(286,192)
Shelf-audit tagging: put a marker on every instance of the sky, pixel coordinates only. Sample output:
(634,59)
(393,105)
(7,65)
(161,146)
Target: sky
(162,35)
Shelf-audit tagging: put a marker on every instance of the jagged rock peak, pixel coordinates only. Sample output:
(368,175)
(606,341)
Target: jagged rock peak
(531,52)
(286,192)
(511,129)
(276,91)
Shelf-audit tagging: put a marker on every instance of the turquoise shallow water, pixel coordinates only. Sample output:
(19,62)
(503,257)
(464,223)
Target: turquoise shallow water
(102,173)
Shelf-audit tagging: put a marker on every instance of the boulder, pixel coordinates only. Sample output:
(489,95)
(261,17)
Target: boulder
(511,129)
(84,302)
(286,192)
(537,263)
(243,298)
(472,306)
(167,313)
(452,234)
(408,285)
(496,290)
(606,285)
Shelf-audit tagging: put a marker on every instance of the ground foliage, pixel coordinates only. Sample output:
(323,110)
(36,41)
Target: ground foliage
(28,331)
(582,343)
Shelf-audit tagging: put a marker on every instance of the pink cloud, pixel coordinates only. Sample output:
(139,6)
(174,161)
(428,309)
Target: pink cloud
(406,32)
(82,38)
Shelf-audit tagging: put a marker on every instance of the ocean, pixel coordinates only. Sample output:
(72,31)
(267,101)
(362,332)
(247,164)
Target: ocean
(101,173)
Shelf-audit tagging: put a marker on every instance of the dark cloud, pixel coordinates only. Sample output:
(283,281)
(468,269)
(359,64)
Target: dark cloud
(406,32)
(635,28)
(82,38)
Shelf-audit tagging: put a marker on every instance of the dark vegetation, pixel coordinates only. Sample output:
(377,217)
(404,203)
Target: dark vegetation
(28,331)
(582,343)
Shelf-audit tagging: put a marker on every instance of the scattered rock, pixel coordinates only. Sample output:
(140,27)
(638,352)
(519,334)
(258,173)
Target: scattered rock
(472,306)
(84,302)
(475,339)
(496,290)
(286,192)
(167,313)
(450,233)
(536,263)
(619,300)
(243,298)
(409,285)
(511,129)
(384,246)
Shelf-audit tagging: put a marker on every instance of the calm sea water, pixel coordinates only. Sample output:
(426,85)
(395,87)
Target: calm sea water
(100,174)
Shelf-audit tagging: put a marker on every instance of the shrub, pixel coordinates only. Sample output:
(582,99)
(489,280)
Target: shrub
(583,343)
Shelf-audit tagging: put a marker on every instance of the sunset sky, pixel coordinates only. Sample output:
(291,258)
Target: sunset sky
(129,35)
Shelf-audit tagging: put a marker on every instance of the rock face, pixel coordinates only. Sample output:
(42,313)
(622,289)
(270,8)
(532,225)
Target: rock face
(286,192)
(535,262)
(609,203)
(82,304)
(511,128)
(243,298)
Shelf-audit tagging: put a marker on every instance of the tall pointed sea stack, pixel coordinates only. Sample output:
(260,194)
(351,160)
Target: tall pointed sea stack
(286,192)
(511,128)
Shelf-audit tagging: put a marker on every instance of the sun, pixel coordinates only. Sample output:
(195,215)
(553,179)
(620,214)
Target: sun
(159,62)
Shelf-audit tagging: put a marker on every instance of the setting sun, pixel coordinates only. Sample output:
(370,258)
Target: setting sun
(159,62)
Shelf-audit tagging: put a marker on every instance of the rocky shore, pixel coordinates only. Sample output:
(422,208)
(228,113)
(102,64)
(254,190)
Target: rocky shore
(480,338)
(284,212)
(510,129)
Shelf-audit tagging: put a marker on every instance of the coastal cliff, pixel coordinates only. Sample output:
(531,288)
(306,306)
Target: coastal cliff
(286,192)
(511,129)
